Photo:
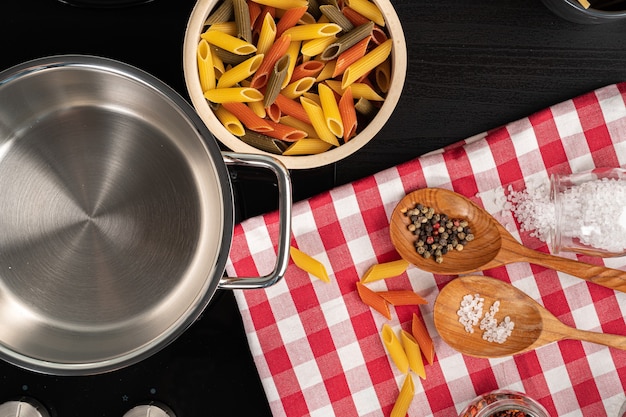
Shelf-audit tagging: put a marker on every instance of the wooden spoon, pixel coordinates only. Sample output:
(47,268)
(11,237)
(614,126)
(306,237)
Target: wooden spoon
(534,326)
(493,245)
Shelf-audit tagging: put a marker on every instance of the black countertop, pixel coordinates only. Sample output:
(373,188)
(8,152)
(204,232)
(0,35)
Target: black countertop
(472,66)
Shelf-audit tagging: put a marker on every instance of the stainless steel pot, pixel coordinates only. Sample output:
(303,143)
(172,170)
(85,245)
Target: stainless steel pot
(116,215)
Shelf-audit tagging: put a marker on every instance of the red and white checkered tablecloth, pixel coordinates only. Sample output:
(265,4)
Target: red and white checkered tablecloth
(317,347)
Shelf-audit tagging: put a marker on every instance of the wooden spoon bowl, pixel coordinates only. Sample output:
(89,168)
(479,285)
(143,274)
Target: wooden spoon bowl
(475,254)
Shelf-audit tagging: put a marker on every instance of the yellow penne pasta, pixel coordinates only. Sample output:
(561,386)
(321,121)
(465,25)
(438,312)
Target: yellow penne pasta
(359,90)
(309,264)
(228,43)
(327,71)
(258,108)
(363,65)
(385,270)
(316,114)
(313,31)
(367,9)
(230,121)
(394,349)
(233,95)
(240,72)
(315,47)
(307,147)
(218,64)
(297,88)
(293,51)
(405,397)
(331,110)
(267,34)
(382,75)
(413,353)
(229,28)
(299,124)
(206,72)
(283,4)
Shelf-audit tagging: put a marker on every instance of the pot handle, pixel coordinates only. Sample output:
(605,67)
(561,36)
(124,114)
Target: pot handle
(284,211)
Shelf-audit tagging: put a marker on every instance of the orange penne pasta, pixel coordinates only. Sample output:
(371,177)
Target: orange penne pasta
(307,69)
(420,333)
(378,35)
(289,19)
(373,300)
(273,112)
(308,264)
(402,297)
(386,269)
(248,117)
(255,11)
(284,132)
(292,108)
(394,348)
(350,56)
(348,115)
(353,16)
(405,397)
(277,50)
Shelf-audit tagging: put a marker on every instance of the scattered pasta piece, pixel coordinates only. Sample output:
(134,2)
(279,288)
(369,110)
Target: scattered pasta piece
(405,397)
(413,353)
(373,300)
(309,264)
(420,333)
(385,270)
(395,349)
(402,297)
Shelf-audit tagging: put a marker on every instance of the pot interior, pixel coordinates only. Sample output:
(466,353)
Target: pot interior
(112,217)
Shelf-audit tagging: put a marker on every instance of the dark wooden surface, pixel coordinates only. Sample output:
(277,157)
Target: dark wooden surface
(473,66)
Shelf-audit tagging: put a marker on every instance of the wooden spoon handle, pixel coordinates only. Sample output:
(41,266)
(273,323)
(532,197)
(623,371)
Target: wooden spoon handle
(513,251)
(611,340)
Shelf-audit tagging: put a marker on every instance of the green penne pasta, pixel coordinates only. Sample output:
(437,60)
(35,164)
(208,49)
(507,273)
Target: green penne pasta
(242,19)
(365,107)
(264,143)
(314,9)
(228,57)
(344,42)
(275,80)
(335,16)
(223,13)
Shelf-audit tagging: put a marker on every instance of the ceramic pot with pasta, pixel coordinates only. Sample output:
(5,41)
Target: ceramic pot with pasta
(309,85)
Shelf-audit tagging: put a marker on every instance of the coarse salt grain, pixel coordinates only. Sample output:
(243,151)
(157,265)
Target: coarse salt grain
(471,311)
(470,314)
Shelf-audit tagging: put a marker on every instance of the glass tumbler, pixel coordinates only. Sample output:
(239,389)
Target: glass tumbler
(504,403)
(590,212)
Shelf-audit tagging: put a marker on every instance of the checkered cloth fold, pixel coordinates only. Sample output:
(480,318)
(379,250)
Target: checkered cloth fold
(318,348)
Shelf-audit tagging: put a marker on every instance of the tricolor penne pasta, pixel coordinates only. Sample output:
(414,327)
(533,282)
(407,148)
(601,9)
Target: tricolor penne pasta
(394,349)
(363,65)
(307,147)
(309,264)
(206,71)
(313,31)
(240,72)
(233,94)
(331,110)
(367,9)
(283,4)
(291,76)
(316,114)
(228,43)
(248,117)
(404,399)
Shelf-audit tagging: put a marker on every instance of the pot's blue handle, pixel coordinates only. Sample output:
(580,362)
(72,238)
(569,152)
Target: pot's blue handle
(284,211)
